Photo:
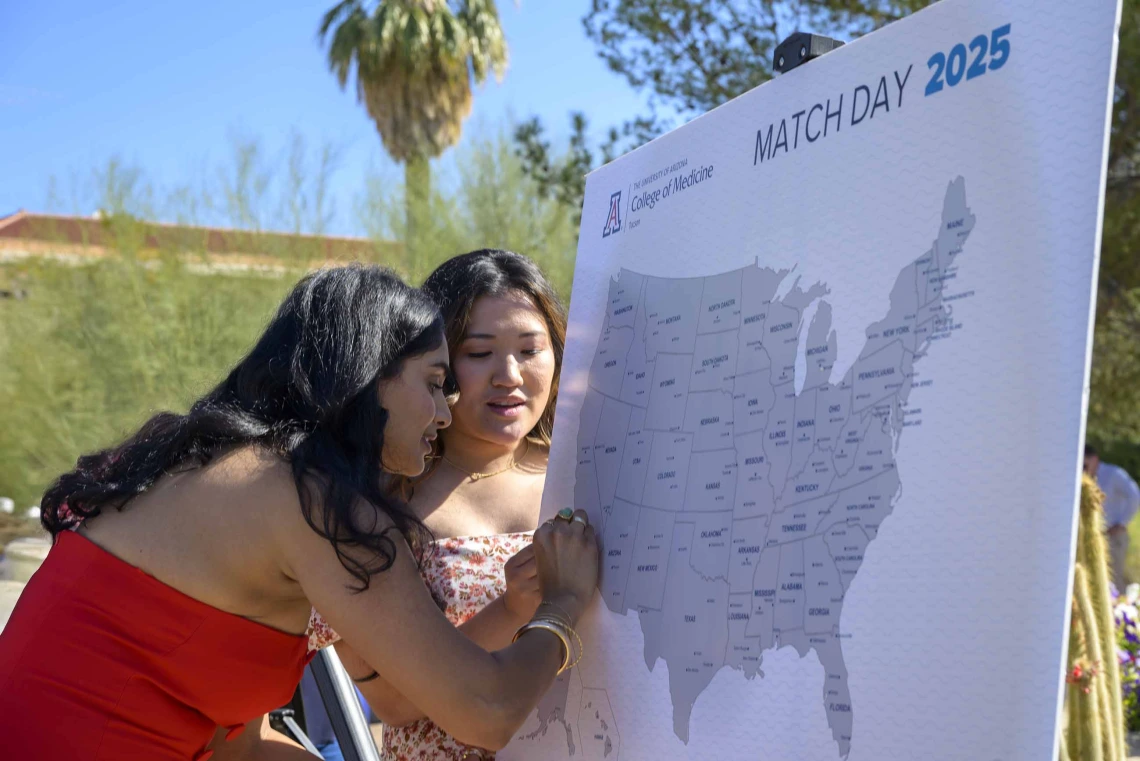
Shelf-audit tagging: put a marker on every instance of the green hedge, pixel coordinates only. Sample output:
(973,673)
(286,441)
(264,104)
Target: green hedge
(93,350)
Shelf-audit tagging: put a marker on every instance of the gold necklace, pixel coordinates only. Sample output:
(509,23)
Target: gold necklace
(475,476)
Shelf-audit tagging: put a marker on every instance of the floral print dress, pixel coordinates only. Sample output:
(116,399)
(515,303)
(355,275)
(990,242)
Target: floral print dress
(466,574)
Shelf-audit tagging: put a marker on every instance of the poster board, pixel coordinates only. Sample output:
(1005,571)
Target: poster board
(823,395)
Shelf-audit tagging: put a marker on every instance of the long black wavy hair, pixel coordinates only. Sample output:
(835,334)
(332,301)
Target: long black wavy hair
(308,391)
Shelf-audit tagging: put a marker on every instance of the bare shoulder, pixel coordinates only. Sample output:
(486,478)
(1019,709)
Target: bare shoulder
(262,480)
(264,486)
(249,462)
(269,488)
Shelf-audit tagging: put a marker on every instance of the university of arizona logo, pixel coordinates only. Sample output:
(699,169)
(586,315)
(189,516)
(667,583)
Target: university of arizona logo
(613,219)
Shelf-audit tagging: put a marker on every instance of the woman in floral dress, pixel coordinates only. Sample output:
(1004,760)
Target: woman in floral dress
(506,329)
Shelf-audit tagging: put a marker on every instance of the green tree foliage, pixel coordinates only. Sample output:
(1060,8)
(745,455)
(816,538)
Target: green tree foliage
(1114,400)
(490,202)
(691,56)
(562,179)
(415,62)
(687,57)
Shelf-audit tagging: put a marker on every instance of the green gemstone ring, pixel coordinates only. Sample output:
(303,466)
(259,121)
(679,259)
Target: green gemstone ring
(566,514)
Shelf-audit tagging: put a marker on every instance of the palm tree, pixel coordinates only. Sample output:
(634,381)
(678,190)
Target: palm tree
(415,61)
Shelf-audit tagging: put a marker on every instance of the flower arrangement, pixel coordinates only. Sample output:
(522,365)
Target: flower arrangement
(1127,619)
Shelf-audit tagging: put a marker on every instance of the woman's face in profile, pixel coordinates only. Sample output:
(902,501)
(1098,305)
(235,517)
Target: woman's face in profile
(417,410)
(504,368)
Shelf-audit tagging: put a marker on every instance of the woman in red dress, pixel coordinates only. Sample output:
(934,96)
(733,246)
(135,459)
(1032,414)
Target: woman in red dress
(175,605)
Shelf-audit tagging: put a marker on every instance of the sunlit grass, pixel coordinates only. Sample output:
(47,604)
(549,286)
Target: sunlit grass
(94,350)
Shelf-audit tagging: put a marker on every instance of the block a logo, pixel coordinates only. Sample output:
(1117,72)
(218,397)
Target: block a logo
(613,219)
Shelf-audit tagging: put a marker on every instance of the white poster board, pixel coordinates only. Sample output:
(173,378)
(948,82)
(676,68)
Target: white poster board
(823,396)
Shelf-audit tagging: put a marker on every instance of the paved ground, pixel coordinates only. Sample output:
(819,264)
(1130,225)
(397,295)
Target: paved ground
(9,593)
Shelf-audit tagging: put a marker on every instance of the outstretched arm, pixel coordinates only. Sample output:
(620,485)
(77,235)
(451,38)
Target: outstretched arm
(479,698)
(491,629)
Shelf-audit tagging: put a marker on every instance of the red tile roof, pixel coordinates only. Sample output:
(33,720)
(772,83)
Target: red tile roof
(25,233)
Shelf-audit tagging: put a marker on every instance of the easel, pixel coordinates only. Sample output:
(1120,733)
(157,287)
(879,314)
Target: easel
(338,695)
(800,47)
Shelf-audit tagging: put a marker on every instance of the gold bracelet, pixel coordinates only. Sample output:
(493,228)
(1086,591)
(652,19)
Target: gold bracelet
(566,629)
(581,649)
(556,630)
(559,631)
(559,608)
(569,628)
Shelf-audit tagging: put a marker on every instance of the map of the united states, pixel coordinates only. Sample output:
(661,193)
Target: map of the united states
(739,483)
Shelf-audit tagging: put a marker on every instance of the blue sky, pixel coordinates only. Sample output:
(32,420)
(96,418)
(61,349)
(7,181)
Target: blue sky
(167,85)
